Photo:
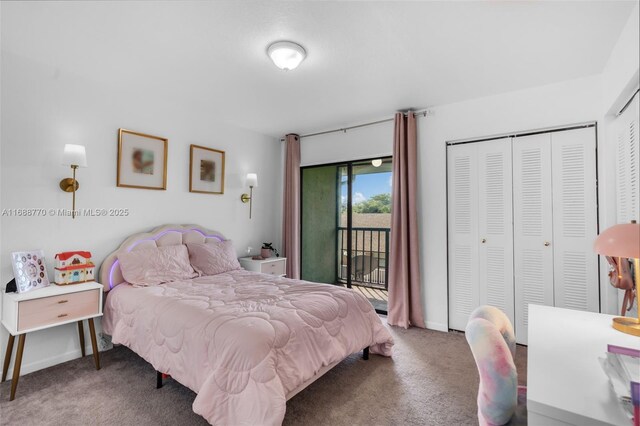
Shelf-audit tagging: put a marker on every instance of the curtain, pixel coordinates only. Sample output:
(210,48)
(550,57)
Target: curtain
(291,210)
(405,303)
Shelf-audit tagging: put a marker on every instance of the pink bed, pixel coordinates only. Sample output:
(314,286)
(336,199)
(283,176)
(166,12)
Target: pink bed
(244,342)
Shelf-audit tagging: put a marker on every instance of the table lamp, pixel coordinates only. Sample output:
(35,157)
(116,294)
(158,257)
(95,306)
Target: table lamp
(623,241)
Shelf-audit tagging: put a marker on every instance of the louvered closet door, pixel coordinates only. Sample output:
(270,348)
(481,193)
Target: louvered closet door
(575,277)
(495,225)
(627,136)
(533,229)
(463,233)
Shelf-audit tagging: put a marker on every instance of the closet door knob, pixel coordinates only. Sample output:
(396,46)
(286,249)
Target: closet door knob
(547,243)
(484,240)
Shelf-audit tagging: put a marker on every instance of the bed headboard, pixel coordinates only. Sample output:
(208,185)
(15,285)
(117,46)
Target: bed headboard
(166,235)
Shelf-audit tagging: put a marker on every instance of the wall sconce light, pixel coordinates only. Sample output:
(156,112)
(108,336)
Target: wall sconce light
(74,156)
(252,181)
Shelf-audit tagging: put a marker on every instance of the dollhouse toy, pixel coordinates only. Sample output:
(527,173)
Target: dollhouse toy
(74,267)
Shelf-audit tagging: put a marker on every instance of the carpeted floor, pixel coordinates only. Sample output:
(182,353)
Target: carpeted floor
(431,380)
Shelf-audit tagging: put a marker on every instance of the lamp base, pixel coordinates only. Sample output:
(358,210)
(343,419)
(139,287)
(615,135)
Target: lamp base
(628,325)
(67,184)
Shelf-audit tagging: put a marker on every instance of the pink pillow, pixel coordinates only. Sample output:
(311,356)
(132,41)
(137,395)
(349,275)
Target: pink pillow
(213,258)
(157,265)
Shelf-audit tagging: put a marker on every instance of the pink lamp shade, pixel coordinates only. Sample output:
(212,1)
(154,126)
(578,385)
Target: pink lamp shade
(621,240)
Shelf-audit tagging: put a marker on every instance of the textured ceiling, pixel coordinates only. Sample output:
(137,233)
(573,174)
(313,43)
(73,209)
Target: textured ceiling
(365,59)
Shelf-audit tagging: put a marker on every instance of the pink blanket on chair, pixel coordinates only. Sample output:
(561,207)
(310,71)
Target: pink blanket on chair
(242,340)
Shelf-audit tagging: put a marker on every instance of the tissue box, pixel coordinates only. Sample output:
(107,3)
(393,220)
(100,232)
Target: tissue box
(74,267)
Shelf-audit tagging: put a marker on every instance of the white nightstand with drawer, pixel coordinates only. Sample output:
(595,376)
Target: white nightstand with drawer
(49,307)
(272,265)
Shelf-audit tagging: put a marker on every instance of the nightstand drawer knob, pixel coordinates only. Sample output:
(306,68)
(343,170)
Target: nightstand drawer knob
(62,301)
(62,315)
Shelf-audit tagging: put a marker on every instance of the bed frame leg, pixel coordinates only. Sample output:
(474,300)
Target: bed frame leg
(158,380)
(365,353)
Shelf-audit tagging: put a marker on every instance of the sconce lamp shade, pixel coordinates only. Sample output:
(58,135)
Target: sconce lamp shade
(252,180)
(621,240)
(74,155)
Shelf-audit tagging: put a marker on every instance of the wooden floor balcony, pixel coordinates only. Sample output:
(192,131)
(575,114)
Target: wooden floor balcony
(377,296)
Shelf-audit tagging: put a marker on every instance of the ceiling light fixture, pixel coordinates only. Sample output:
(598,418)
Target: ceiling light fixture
(377,162)
(286,55)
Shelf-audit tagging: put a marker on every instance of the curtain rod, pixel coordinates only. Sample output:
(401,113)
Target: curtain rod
(422,113)
(523,133)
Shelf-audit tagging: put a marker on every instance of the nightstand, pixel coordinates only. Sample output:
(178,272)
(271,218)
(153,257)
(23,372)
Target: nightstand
(45,308)
(272,265)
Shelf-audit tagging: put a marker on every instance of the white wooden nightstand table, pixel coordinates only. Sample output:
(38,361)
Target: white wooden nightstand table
(271,265)
(45,308)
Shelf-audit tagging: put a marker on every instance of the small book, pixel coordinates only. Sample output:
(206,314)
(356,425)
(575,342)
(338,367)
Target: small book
(622,366)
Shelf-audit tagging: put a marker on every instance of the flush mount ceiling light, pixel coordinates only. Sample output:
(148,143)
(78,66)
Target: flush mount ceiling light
(377,162)
(286,55)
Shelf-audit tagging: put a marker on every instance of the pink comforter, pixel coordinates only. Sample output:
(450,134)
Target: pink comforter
(242,340)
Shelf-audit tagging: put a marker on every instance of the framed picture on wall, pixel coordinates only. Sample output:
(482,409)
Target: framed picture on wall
(206,170)
(29,270)
(142,160)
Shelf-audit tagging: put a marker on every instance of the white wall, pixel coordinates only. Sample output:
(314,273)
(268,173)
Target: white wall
(356,144)
(553,105)
(44,107)
(620,75)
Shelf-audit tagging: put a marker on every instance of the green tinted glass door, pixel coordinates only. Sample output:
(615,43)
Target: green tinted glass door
(320,204)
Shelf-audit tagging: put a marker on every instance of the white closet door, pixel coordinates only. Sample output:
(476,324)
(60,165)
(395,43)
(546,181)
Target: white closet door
(495,225)
(533,229)
(575,276)
(627,134)
(463,233)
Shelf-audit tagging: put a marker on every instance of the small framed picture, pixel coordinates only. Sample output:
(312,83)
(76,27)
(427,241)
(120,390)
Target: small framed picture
(206,170)
(30,270)
(142,160)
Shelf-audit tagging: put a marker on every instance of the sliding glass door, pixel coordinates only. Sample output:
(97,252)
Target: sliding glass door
(346,220)
(319,201)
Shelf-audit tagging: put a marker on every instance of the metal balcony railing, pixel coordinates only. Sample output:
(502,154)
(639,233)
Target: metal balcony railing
(369,256)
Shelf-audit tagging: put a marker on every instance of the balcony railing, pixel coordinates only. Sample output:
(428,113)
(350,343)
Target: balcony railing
(369,256)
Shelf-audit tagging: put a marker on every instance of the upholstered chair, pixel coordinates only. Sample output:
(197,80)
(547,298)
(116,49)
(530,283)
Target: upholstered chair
(491,339)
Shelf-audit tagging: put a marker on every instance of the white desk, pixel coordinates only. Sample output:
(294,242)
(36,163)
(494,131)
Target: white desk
(565,383)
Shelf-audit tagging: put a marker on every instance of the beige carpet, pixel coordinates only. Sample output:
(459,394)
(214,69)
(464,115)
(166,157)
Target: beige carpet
(431,380)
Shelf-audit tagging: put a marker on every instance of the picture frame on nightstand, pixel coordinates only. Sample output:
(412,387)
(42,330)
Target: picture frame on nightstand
(29,270)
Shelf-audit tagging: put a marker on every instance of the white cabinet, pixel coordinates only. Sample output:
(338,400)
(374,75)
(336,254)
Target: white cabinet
(45,308)
(521,223)
(272,265)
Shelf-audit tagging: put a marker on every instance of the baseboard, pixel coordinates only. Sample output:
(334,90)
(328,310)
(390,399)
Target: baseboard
(48,362)
(437,326)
